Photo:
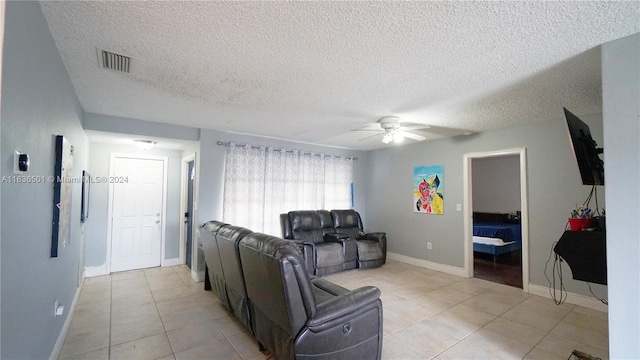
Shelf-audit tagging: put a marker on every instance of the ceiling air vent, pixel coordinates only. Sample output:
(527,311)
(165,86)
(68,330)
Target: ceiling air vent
(113,61)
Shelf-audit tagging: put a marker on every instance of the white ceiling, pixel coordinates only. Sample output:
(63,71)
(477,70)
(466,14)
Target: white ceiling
(313,71)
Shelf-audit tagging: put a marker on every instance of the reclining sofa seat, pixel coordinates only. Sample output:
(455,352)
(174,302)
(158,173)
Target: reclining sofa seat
(228,238)
(297,317)
(372,247)
(323,251)
(214,277)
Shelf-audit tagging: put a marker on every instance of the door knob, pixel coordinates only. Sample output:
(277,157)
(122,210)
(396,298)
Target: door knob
(157,221)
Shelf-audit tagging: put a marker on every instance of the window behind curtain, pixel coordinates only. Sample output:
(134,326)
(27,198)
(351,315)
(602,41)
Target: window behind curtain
(262,183)
(337,183)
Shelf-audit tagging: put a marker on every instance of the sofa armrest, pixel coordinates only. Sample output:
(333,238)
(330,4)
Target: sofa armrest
(328,286)
(344,304)
(380,237)
(376,236)
(307,249)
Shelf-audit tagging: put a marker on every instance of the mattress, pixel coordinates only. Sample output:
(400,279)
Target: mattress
(490,241)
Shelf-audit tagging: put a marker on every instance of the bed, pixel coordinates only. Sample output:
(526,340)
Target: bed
(496,234)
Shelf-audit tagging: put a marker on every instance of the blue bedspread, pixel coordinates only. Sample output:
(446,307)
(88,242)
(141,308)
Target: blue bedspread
(505,231)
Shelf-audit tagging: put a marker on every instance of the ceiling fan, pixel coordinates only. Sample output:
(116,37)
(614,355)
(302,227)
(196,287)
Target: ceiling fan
(391,129)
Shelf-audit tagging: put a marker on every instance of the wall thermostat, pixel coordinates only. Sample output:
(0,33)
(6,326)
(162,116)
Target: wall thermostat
(23,162)
(20,162)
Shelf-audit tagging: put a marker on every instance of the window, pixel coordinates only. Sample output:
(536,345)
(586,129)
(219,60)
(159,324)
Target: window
(262,183)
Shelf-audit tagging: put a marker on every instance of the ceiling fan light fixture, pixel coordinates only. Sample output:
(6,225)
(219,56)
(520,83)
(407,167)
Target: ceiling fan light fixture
(398,138)
(387,138)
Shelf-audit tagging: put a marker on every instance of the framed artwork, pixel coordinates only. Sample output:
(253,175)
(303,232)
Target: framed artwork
(428,189)
(62,186)
(84,207)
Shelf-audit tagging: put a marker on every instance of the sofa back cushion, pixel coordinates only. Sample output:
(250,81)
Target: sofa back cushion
(228,239)
(278,286)
(347,222)
(213,226)
(212,258)
(310,225)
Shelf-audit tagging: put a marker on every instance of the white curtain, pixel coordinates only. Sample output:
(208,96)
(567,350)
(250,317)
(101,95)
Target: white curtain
(337,183)
(262,183)
(244,186)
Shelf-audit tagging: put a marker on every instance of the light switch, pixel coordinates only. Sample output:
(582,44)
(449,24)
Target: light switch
(459,207)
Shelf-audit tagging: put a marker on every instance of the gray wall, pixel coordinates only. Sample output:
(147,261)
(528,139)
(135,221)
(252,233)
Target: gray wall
(496,184)
(115,124)
(38,102)
(96,225)
(554,188)
(621,108)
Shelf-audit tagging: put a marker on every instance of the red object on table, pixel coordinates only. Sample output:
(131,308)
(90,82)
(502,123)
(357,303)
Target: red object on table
(579,224)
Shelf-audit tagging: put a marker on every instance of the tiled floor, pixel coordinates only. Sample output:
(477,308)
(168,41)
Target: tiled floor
(161,314)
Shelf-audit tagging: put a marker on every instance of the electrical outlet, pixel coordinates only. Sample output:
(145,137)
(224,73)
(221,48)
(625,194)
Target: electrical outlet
(57,308)
(429,246)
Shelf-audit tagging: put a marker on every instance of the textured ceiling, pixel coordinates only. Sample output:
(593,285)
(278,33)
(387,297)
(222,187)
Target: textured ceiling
(313,71)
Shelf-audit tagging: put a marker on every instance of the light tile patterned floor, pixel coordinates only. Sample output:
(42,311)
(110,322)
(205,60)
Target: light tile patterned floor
(161,313)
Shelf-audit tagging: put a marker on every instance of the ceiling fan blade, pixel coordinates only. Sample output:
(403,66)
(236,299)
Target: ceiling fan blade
(412,136)
(446,131)
(369,137)
(415,127)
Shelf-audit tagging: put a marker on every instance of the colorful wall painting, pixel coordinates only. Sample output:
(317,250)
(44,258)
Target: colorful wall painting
(428,189)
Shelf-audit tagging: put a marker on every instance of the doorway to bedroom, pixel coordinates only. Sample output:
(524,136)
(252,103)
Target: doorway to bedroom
(495,205)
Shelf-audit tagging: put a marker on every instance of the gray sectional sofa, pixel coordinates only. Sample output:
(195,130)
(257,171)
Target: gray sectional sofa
(264,282)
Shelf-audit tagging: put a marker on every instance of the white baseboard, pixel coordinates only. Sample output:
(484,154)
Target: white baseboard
(171,262)
(197,276)
(55,353)
(91,271)
(572,298)
(453,270)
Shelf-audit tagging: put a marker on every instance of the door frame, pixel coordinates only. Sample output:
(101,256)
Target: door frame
(163,228)
(183,208)
(468,208)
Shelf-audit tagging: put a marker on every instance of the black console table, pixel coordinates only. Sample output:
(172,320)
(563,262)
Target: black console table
(586,254)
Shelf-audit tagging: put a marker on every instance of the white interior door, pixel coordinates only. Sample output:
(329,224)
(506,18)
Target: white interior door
(136,235)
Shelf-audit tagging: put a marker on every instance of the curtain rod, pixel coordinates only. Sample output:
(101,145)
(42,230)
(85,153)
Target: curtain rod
(286,150)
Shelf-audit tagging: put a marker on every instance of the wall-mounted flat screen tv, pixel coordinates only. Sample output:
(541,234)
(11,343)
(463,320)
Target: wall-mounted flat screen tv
(586,151)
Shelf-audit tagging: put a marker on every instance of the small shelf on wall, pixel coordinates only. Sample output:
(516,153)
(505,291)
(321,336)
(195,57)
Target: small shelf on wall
(586,254)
